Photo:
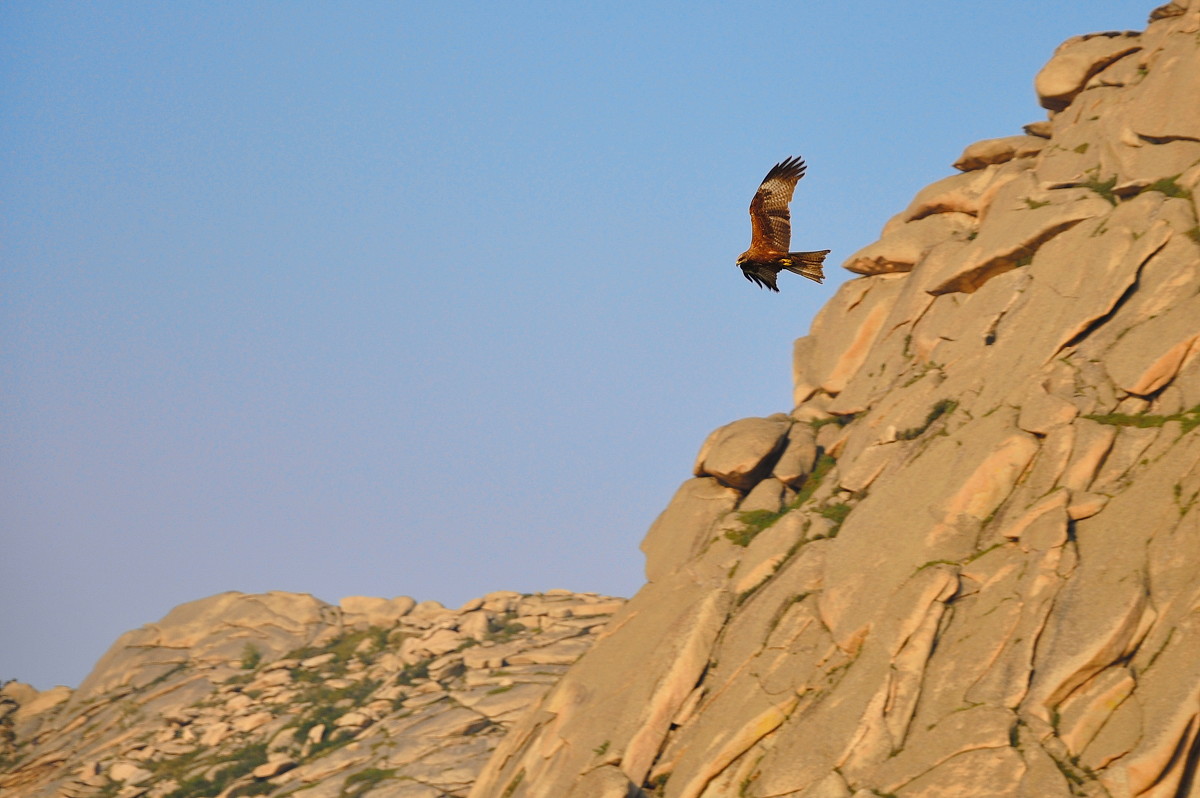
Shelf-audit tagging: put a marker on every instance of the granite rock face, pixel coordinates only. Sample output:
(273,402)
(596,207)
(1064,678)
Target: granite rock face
(968,562)
(281,693)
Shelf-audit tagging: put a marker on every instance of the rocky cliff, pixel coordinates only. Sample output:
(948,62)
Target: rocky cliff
(283,694)
(967,563)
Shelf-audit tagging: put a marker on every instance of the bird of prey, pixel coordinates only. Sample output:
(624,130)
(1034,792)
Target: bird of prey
(771,230)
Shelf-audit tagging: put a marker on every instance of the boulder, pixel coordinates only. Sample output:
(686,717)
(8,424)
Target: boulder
(905,246)
(1075,61)
(376,611)
(742,453)
(998,151)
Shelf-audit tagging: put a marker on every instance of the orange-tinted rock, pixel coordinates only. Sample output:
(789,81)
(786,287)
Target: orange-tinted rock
(1075,61)
(997,151)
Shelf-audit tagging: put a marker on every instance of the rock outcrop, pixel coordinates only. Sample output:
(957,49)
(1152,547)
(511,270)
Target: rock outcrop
(968,562)
(282,693)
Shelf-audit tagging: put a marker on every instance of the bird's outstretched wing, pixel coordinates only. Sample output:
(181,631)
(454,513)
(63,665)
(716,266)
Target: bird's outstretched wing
(770,222)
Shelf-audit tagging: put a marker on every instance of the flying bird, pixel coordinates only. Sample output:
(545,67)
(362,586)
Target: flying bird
(771,230)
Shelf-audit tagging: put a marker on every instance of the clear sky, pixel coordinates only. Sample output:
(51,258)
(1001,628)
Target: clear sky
(427,299)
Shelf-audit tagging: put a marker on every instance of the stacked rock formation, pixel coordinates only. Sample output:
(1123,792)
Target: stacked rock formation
(968,562)
(284,694)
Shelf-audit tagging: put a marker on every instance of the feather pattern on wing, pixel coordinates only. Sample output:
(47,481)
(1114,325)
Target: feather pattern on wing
(771,231)
(770,222)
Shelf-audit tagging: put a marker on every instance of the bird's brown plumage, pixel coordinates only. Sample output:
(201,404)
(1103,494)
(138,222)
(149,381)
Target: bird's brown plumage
(771,230)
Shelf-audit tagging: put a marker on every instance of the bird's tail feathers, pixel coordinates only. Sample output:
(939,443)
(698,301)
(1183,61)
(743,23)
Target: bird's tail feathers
(808,264)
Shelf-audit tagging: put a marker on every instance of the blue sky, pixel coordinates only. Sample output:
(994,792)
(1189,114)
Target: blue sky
(389,299)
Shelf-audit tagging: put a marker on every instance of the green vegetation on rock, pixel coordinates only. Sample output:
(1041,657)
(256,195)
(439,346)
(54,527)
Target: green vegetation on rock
(232,767)
(1188,419)
(941,408)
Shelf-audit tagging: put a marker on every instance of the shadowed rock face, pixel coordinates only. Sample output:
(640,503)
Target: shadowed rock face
(968,562)
(281,693)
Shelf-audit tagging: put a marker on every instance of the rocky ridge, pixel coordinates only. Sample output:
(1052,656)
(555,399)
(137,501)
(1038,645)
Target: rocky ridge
(282,694)
(967,563)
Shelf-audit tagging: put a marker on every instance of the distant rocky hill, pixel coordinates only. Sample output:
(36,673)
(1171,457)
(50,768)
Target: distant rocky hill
(967,563)
(283,694)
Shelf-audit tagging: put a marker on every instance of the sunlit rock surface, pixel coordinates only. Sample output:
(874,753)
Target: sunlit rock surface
(281,693)
(972,566)
(966,563)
